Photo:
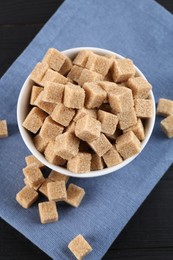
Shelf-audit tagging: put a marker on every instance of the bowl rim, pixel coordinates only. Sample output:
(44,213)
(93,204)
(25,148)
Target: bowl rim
(26,138)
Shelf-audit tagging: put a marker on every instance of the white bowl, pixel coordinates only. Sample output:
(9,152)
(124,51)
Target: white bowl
(23,109)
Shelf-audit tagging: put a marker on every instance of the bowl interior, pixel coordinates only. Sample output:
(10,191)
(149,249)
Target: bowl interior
(23,109)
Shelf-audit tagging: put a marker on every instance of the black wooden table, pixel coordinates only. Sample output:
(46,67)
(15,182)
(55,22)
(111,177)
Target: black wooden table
(149,234)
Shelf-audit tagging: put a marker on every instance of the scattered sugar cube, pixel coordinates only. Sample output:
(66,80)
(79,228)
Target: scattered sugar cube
(56,176)
(89,76)
(43,187)
(128,144)
(101,145)
(48,212)
(34,93)
(96,162)
(167,126)
(26,197)
(31,159)
(66,145)
(53,76)
(83,112)
(3,129)
(54,58)
(112,157)
(82,58)
(74,96)
(143,108)
(75,195)
(53,92)
(43,105)
(39,71)
(66,67)
(40,143)
(122,70)
(62,115)
(98,63)
(88,128)
(50,129)
(121,99)
(75,73)
(56,191)
(140,87)
(34,120)
(127,119)
(95,95)
(51,156)
(79,247)
(71,127)
(80,163)
(34,186)
(165,107)
(33,174)
(137,129)
(108,121)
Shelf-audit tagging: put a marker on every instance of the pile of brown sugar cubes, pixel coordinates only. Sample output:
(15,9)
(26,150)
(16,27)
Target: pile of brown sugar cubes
(87,113)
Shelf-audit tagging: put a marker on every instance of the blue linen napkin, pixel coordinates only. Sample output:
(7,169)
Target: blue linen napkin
(138,29)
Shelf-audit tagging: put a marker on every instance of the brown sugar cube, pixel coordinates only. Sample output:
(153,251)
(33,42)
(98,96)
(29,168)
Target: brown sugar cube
(43,187)
(120,99)
(43,105)
(79,247)
(53,76)
(33,174)
(74,96)
(40,143)
(75,73)
(137,129)
(108,121)
(140,87)
(66,145)
(108,87)
(54,58)
(56,191)
(34,120)
(51,156)
(62,115)
(128,144)
(165,107)
(56,176)
(101,145)
(26,197)
(143,108)
(127,119)
(31,159)
(66,67)
(98,63)
(35,187)
(80,163)
(167,126)
(39,71)
(83,112)
(50,129)
(53,92)
(75,195)
(34,93)
(47,212)
(3,129)
(89,76)
(96,162)
(112,157)
(82,58)
(71,128)
(87,128)
(95,95)
(122,70)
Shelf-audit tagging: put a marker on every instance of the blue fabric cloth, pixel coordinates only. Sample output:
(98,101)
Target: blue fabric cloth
(138,29)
